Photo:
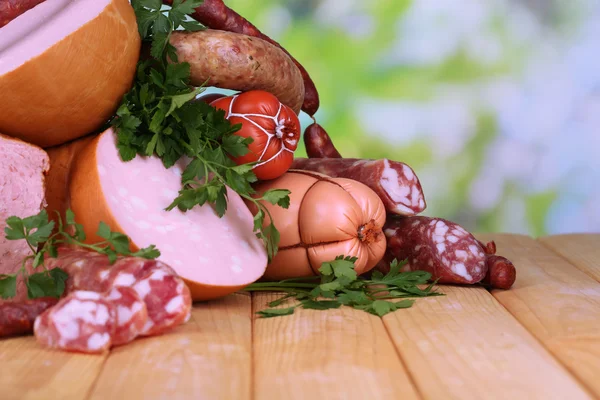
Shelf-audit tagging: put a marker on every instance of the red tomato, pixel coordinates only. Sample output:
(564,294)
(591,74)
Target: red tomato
(274,127)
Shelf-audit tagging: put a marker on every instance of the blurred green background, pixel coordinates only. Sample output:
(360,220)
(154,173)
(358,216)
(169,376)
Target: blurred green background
(494,103)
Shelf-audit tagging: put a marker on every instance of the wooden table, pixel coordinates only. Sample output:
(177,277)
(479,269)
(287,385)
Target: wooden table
(539,340)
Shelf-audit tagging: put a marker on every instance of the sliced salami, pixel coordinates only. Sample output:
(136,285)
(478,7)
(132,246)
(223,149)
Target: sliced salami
(83,321)
(167,298)
(395,183)
(438,246)
(132,314)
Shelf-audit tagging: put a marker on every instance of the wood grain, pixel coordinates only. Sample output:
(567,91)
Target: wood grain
(334,354)
(581,250)
(29,371)
(465,345)
(556,302)
(207,358)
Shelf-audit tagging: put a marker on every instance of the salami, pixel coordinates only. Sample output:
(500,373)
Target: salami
(440,247)
(83,321)
(11,9)
(395,183)
(501,272)
(17,318)
(166,296)
(318,143)
(132,314)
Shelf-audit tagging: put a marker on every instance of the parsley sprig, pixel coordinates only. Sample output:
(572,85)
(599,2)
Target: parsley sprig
(37,231)
(158,117)
(338,284)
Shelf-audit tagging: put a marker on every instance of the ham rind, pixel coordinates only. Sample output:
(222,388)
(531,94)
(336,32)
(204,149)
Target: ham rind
(82,322)
(394,182)
(22,170)
(215,256)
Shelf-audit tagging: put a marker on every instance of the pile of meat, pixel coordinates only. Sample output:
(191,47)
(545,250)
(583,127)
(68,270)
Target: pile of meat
(373,207)
(443,248)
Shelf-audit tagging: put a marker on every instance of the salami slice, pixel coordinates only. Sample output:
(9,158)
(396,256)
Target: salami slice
(395,183)
(132,314)
(16,318)
(166,296)
(438,246)
(83,322)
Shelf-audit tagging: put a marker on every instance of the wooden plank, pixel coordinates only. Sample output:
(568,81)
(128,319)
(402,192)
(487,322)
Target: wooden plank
(334,354)
(465,345)
(207,358)
(556,302)
(581,250)
(29,371)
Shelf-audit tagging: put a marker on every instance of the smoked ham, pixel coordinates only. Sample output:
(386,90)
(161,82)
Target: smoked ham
(22,173)
(215,256)
(327,217)
(64,67)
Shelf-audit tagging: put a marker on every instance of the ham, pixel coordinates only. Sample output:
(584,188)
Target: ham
(215,256)
(22,170)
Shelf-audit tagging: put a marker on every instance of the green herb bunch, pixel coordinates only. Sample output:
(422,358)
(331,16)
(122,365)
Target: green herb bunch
(339,284)
(158,117)
(37,231)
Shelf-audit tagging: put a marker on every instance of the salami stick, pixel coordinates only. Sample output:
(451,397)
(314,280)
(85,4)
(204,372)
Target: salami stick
(395,183)
(438,246)
(216,15)
(11,9)
(501,271)
(318,143)
(18,318)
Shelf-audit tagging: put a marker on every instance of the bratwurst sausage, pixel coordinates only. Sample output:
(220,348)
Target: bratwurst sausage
(239,62)
(216,15)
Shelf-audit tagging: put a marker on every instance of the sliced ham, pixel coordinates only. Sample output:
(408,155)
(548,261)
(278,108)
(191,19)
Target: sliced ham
(215,256)
(22,170)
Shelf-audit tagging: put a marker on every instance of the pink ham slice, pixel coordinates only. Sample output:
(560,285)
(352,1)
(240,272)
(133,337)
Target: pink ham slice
(22,170)
(215,256)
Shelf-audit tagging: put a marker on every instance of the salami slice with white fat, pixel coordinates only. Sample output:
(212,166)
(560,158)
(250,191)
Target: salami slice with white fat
(395,183)
(131,313)
(166,296)
(438,246)
(83,321)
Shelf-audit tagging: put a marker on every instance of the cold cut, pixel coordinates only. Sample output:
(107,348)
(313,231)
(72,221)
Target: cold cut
(131,314)
(11,9)
(318,143)
(438,246)
(16,318)
(327,217)
(501,272)
(273,127)
(132,197)
(240,62)
(83,321)
(22,179)
(164,293)
(216,15)
(394,182)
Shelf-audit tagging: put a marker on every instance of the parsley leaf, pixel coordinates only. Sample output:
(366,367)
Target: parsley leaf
(340,285)
(43,240)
